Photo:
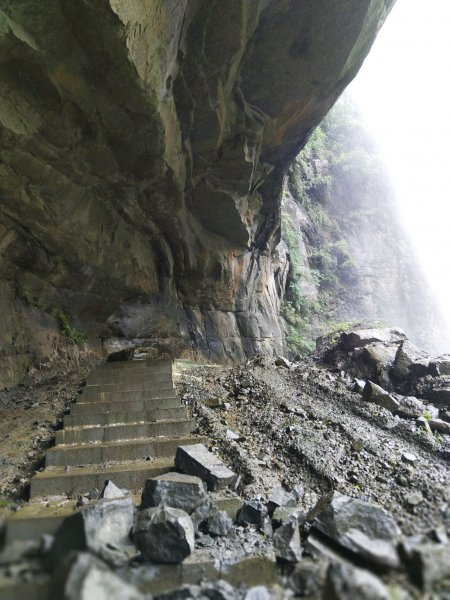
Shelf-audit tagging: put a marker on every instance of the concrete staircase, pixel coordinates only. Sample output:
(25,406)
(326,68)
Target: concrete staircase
(125,426)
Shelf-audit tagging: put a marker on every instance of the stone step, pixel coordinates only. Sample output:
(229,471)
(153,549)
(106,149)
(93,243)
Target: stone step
(105,452)
(123,365)
(112,418)
(102,391)
(127,404)
(129,431)
(77,480)
(127,377)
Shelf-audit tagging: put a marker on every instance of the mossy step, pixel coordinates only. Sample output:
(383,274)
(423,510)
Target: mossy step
(129,431)
(105,452)
(111,418)
(131,475)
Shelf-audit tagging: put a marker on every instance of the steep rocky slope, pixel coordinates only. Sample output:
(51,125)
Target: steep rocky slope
(142,150)
(350,259)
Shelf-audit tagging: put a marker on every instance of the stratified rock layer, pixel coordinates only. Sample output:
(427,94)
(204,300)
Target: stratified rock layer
(142,151)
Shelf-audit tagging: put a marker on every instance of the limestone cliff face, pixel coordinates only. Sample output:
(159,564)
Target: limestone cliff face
(143,145)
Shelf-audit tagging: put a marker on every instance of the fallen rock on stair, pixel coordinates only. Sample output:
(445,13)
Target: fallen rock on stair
(111,491)
(176,490)
(197,460)
(164,534)
(83,577)
(102,528)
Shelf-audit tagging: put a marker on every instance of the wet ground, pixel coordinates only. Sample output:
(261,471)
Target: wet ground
(304,424)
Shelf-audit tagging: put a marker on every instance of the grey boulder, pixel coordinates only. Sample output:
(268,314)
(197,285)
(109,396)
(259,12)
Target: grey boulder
(164,534)
(363,528)
(376,394)
(102,528)
(176,490)
(345,582)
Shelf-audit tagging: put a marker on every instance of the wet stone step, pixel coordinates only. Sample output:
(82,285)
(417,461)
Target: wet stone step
(160,364)
(132,431)
(126,404)
(80,480)
(105,452)
(127,386)
(112,418)
(128,376)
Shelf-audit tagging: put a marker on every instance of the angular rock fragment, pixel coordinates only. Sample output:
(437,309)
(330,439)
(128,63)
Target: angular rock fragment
(280,497)
(376,394)
(219,523)
(407,355)
(197,460)
(345,582)
(258,592)
(102,528)
(375,363)
(176,490)
(282,513)
(363,528)
(111,490)
(286,541)
(83,577)
(252,513)
(164,534)
(409,407)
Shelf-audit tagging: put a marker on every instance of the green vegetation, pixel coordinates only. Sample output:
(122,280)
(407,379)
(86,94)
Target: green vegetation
(68,330)
(339,161)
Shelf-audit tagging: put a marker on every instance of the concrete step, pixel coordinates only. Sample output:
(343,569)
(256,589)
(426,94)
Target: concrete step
(112,418)
(77,480)
(110,394)
(141,376)
(95,391)
(125,365)
(129,431)
(105,452)
(127,404)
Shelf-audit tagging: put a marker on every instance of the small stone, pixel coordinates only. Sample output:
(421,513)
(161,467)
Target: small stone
(422,423)
(111,490)
(231,435)
(164,534)
(280,497)
(219,523)
(414,499)
(439,425)
(281,361)
(94,494)
(251,513)
(409,458)
(226,406)
(430,564)
(257,593)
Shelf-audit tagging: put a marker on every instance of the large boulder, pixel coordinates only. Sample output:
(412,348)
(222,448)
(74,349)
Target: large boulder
(363,528)
(164,534)
(410,361)
(359,338)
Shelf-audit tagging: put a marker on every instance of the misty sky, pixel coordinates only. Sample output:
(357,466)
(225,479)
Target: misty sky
(403,92)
